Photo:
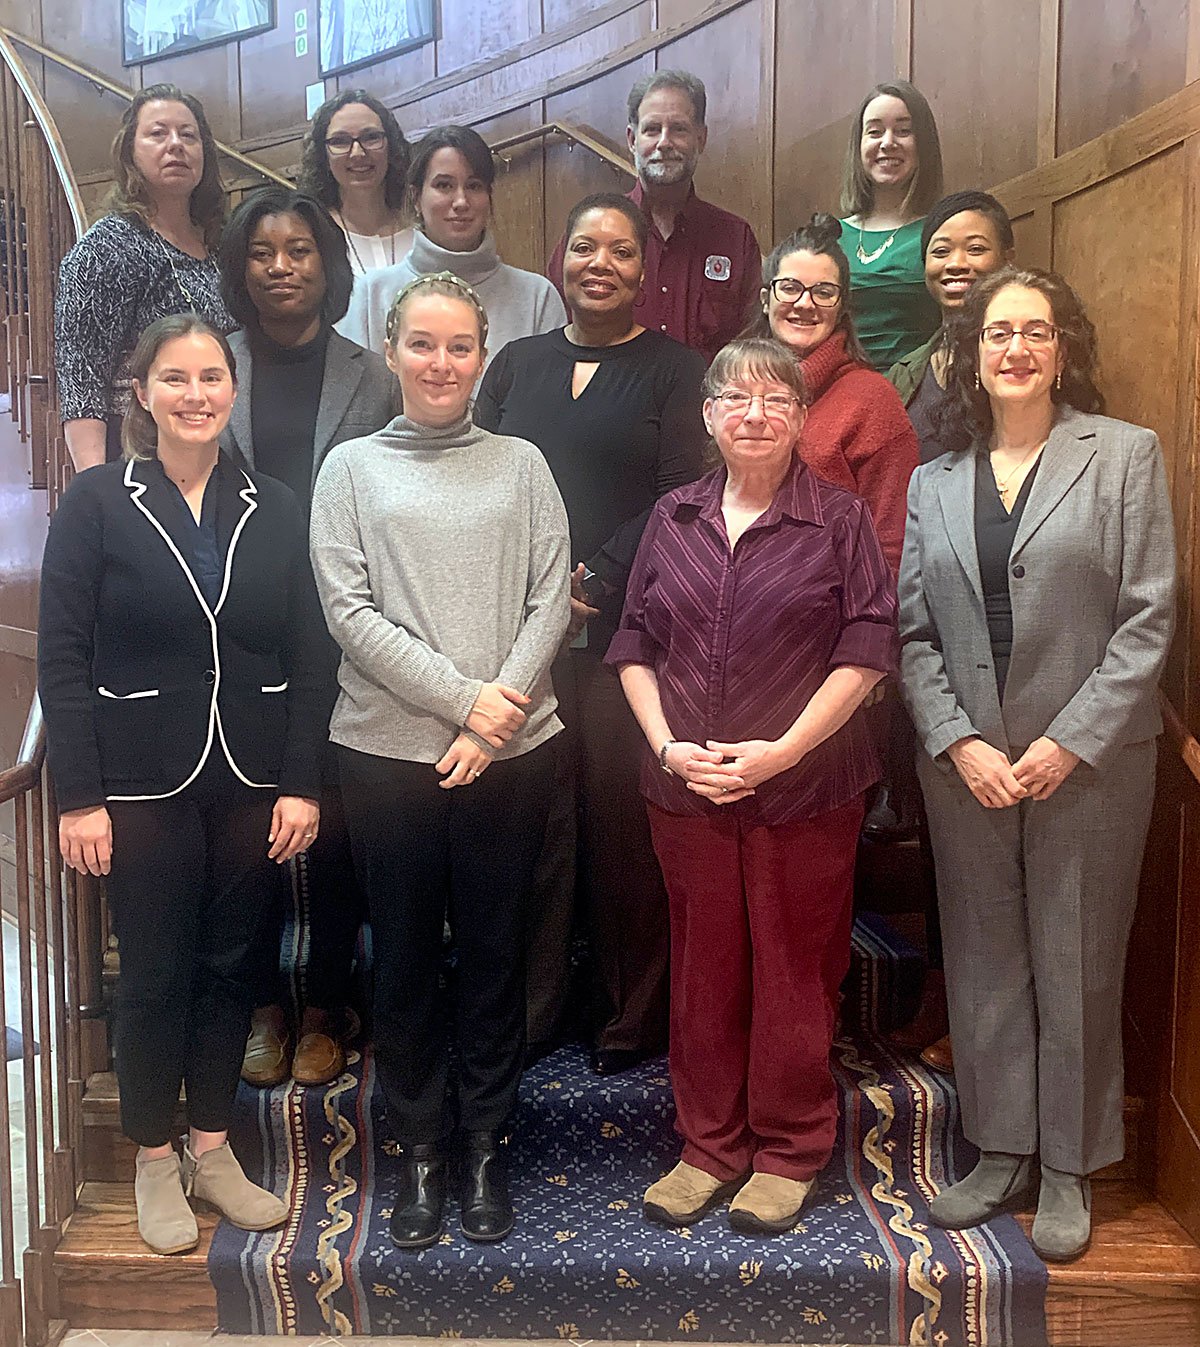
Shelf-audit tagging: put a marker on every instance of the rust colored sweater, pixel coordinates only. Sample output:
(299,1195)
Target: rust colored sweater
(858,436)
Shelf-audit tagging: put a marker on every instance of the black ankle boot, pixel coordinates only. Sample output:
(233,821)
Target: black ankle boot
(487,1213)
(417,1214)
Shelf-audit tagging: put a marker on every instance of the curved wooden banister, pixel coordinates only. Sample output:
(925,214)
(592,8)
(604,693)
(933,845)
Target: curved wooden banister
(24,774)
(58,152)
(1179,737)
(121,91)
(569,133)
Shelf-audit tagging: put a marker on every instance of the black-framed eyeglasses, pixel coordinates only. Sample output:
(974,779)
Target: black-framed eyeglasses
(999,335)
(341,142)
(774,404)
(788,290)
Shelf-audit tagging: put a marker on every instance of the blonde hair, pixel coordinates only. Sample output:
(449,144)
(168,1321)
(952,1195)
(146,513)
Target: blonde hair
(436,283)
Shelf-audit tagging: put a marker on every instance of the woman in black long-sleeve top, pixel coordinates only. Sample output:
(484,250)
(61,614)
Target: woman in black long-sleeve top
(615,409)
(180,659)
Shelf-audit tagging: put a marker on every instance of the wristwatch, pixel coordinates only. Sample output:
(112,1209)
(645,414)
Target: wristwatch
(662,755)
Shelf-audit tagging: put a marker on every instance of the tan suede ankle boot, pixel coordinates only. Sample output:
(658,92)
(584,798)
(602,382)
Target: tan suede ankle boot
(685,1194)
(768,1204)
(216,1179)
(165,1221)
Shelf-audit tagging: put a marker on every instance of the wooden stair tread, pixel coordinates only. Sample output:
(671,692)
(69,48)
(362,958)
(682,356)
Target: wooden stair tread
(104,1228)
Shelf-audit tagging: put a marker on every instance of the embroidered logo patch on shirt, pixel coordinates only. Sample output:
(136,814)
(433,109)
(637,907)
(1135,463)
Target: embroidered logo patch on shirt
(717,268)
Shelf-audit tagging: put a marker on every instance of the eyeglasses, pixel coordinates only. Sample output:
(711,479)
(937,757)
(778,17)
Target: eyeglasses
(999,335)
(341,142)
(774,404)
(825,294)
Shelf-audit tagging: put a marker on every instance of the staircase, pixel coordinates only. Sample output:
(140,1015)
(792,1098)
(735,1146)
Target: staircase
(1139,1282)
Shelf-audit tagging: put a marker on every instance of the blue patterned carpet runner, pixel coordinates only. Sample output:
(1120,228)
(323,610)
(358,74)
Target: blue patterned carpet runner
(863,1265)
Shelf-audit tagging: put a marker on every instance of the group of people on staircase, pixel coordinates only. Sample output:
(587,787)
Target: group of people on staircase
(621,602)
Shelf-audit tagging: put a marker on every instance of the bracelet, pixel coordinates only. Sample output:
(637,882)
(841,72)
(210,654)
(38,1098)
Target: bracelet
(662,755)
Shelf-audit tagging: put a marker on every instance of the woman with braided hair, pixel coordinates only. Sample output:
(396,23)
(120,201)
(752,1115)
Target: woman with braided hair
(441,556)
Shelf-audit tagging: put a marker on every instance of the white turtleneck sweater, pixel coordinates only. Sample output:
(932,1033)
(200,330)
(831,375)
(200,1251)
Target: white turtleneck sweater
(442,561)
(518,303)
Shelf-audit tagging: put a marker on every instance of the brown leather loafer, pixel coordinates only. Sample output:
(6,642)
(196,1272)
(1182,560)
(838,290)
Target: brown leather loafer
(318,1060)
(267,1061)
(939,1056)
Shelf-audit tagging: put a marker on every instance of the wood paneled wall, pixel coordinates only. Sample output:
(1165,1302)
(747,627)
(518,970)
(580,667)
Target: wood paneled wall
(1011,85)
(1060,101)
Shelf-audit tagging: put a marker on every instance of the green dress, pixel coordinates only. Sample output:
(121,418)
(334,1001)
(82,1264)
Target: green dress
(893,312)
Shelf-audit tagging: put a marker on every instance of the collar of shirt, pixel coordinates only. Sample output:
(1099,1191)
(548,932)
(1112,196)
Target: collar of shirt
(797,497)
(687,213)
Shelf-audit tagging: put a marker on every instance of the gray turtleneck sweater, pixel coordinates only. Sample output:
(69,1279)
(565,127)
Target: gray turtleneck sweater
(518,303)
(442,560)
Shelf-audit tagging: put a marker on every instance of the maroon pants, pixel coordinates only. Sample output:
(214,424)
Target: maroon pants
(760,942)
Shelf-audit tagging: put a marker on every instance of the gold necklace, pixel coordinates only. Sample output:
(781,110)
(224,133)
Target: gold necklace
(1002,486)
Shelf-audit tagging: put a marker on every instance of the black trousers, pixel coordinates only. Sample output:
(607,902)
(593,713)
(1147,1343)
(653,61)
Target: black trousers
(188,887)
(598,848)
(426,854)
(332,911)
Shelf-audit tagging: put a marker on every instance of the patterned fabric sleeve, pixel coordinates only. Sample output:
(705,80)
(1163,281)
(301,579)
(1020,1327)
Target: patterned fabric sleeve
(99,286)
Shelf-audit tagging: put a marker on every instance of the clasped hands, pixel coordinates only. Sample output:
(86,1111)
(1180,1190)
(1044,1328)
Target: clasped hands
(996,783)
(724,773)
(495,718)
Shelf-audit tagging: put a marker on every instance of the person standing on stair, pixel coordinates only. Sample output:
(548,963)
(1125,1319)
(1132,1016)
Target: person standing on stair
(759,614)
(150,256)
(180,667)
(441,555)
(1037,603)
(286,278)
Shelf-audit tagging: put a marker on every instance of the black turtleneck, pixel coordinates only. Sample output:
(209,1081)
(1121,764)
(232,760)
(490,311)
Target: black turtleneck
(285,396)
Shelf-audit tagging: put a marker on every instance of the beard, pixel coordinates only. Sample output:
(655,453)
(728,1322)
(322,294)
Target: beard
(665,172)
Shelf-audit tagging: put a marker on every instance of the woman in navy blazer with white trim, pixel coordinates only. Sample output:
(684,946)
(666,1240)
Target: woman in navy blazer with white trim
(180,659)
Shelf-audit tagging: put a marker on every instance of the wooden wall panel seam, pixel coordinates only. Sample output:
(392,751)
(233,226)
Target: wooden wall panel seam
(1048,79)
(1141,138)
(902,38)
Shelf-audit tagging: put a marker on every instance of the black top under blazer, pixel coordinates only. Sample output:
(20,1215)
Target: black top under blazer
(140,681)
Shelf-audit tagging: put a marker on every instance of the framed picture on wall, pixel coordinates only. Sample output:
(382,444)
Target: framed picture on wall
(353,33)
(157,28)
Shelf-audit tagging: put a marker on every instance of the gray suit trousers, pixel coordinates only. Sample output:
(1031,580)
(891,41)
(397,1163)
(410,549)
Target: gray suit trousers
(1037,902)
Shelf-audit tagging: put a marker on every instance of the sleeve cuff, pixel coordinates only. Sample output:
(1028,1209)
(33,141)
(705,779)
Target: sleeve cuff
(870,645)
(631,647)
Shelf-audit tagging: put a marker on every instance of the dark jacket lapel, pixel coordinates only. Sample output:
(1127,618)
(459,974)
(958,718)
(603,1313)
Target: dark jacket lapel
(343,374)
(238,438)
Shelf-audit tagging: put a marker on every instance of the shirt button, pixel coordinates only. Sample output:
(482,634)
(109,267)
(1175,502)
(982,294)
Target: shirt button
(664,289)
(1019,572)
(664,327)
(209,676)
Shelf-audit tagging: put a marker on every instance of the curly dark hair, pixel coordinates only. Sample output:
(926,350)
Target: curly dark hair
(235,248)
(316,178)
(130,194)
(611,201)
(822,235)
(965,414)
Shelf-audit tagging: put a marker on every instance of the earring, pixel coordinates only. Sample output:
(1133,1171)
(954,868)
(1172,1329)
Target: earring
(977,381)
(1058,381)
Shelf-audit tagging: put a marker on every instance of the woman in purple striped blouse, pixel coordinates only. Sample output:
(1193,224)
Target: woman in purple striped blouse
(759,614)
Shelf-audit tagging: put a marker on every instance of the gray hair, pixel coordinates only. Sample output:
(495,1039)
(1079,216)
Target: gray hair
(683,80)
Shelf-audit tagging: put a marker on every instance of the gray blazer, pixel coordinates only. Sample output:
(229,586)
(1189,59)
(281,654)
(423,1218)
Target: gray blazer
(1092,578)
(359,395)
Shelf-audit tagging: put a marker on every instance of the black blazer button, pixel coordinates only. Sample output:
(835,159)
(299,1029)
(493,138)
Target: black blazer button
(210,676)
(1018,571)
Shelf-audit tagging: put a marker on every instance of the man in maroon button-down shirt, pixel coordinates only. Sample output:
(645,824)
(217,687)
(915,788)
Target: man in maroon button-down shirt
(703,265)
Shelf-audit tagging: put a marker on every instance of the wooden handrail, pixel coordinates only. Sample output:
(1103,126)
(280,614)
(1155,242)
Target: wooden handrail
(1181,740)
(120,90)
(58,152)
(570,133)
(25,772)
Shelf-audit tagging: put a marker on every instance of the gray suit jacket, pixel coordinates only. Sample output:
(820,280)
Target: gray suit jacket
(359,395)
(1092,579)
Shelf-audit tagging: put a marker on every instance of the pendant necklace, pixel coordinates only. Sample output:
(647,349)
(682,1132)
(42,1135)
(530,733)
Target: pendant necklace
(1003,485)
(179,281)
(867,258)
(363,268)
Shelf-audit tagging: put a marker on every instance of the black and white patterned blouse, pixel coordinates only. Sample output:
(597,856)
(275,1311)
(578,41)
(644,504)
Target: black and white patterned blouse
(118,279)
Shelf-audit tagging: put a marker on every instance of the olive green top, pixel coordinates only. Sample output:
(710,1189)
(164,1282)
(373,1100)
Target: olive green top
(893,312)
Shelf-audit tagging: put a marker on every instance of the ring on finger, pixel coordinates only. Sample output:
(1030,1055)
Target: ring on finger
(474,773)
